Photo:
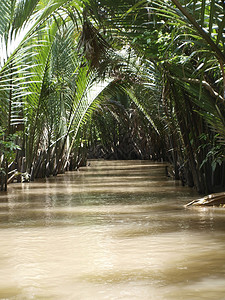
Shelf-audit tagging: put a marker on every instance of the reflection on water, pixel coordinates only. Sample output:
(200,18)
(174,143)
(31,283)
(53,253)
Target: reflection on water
(114,230)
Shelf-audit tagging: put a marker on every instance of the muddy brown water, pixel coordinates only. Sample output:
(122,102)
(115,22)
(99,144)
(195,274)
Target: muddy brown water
(114,230)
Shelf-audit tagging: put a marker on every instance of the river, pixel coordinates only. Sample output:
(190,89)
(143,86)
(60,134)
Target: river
(113,230)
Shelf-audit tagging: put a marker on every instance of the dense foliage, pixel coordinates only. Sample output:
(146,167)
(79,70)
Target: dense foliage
(115,79)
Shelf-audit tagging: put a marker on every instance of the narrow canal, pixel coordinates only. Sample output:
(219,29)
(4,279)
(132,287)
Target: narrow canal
(114,230)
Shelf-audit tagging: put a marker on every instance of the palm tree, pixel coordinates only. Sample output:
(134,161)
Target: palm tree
(185,41)
(46,89)
(61,59)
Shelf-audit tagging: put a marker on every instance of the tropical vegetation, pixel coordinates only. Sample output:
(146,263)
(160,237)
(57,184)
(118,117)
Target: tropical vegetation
(115,79)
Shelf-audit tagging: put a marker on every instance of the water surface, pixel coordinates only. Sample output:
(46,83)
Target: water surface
(114,230)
